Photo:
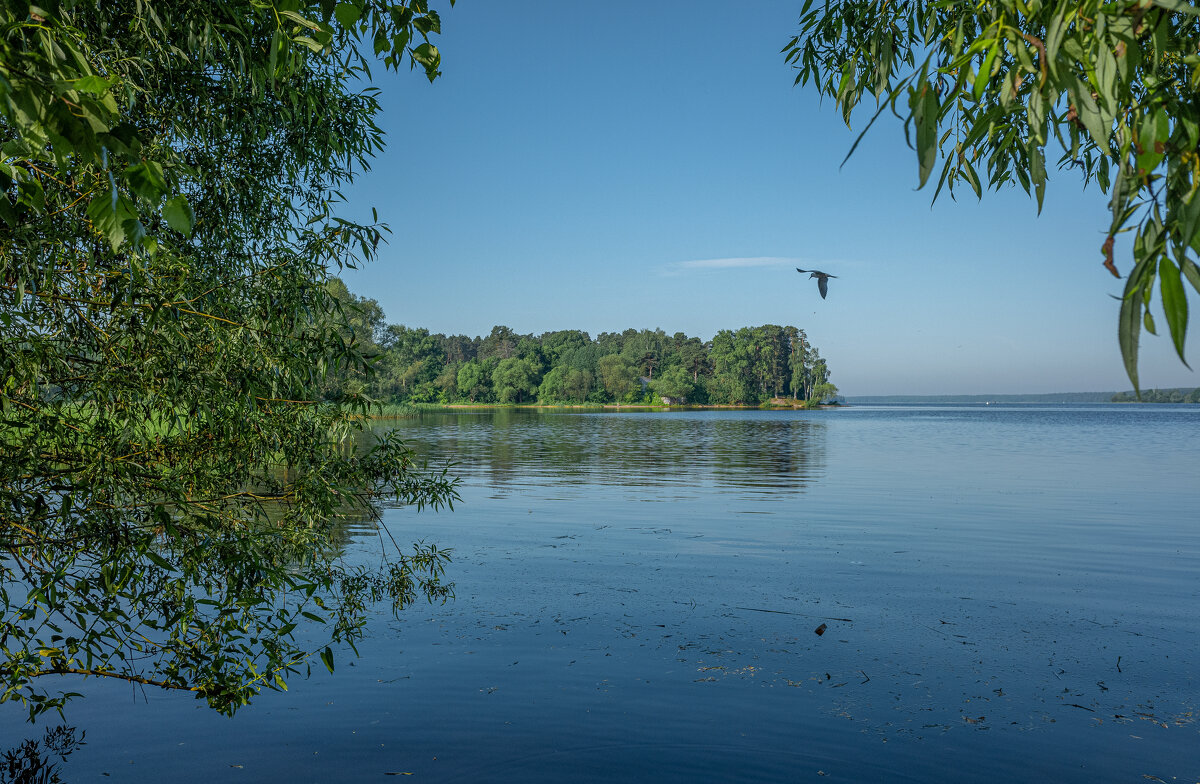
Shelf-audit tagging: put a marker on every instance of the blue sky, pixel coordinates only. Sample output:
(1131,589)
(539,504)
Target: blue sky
(605,166)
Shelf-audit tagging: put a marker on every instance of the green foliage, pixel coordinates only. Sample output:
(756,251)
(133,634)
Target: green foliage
(988,87)
(551,388)
(755,364)
(514,378)
(618,377)
(1159,396)
(674,384)
(727,388)
(472,380)
(359,323)
(176,470)
(564,384)
(744,367)
(578,384)
(822,392)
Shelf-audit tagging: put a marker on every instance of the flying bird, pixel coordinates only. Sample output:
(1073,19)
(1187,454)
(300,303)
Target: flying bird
(822,280)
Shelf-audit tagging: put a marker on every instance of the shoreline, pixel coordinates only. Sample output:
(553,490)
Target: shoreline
(443,407)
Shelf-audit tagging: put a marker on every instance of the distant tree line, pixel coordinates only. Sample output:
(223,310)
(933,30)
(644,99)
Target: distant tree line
(1159,396)
(749,366)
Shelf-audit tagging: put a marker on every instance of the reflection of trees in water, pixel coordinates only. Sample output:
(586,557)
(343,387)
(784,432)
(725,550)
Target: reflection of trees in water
(788,454)
(36,762)
(204,594)
(777,451)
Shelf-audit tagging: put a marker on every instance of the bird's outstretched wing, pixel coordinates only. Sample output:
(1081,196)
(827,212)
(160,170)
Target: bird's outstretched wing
(822,279)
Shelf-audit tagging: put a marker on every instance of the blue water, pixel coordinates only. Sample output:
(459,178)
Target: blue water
(1008,593)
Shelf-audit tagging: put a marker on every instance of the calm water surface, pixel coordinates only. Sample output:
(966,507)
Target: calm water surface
(1008,593)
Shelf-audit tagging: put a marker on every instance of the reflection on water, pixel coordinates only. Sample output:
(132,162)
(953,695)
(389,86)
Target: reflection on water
(37,761)
(759,453)
(1006,594)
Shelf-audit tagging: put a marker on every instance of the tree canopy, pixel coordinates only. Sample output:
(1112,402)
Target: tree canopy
(175,471)
(747,366)
(990,89)
(1159,396)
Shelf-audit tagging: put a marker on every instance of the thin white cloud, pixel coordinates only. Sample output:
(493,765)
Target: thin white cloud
(680,267)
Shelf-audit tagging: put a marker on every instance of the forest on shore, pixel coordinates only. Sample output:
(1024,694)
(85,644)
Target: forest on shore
(1176,395)
(747,366)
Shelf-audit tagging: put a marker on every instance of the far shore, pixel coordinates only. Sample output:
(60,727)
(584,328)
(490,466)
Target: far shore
(774,405)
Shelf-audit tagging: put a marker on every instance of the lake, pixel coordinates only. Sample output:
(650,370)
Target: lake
(900,593)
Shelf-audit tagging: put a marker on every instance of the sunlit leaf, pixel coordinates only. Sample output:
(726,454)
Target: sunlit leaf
(985,72)
(179,215)
(300,20)
(146,180)
(91,84)
(1174,301)
(925,110)
(1129,325)
(347,14)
